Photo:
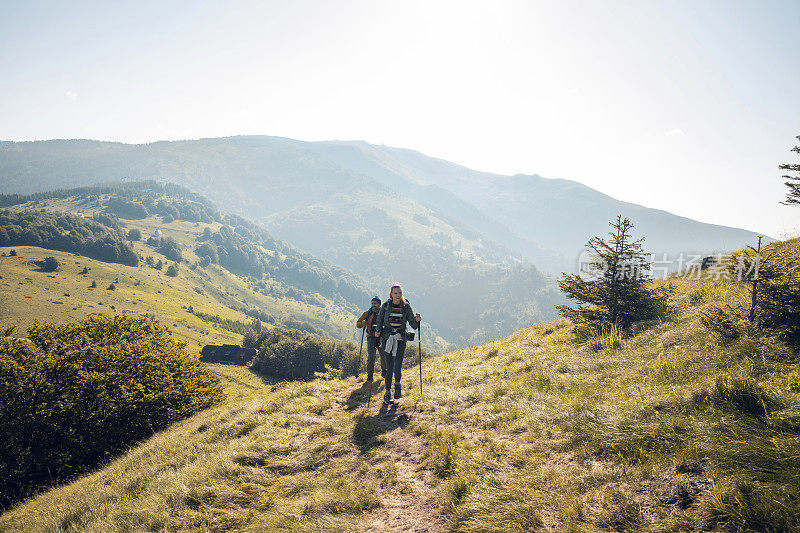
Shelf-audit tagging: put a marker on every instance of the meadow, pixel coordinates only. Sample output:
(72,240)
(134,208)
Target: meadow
(670,429)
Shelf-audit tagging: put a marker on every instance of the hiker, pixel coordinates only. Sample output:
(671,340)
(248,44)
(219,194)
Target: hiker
(369,320)
(394,315)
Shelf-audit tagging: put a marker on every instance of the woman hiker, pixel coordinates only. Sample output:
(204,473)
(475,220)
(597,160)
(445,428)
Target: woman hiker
(368,320)
(394,315)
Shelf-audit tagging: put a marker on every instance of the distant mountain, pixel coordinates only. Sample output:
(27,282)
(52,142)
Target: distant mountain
(463,242)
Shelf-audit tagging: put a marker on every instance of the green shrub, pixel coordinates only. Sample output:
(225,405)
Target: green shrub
(48,264)
(293,354)
(778,301)
(79,393)
(172,270)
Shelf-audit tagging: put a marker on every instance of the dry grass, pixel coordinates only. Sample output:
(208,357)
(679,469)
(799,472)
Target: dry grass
(675,429)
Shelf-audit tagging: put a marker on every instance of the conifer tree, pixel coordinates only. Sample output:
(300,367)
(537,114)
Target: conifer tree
(617,289)
(793,195)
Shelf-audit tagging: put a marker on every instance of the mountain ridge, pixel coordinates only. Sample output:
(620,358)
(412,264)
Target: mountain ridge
(456,238)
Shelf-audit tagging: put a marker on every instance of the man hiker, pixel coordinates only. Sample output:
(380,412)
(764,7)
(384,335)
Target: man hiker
(395,313)
(369,320)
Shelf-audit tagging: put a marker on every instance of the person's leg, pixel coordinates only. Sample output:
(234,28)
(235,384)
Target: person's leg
(371,349)
(389,362)
(398,365)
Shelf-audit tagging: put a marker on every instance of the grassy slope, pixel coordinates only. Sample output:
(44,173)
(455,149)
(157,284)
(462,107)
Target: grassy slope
(524,433)
(28,294)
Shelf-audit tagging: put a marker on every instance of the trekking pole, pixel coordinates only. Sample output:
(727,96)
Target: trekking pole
(419,333)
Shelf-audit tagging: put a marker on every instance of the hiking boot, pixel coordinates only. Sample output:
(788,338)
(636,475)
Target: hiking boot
(397,393)
(387,397)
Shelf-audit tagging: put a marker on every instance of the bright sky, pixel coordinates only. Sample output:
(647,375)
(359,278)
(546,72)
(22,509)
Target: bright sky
(683,105)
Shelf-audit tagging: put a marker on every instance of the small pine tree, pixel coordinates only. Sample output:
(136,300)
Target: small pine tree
(172,270)
(793,195)
(112,287)
(12,253)
(160,264)
(619,292)
(93,285)
(134,234)
(85,270)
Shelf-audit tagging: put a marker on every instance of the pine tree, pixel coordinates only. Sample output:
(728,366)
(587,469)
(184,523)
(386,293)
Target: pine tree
(793,196)
(617,290)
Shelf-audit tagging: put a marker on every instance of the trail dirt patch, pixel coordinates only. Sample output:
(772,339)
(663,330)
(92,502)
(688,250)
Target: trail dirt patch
(409,504)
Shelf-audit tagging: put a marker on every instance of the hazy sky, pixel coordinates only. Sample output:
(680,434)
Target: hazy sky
(687,106)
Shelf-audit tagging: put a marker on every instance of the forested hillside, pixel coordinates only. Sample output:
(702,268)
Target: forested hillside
(473,249)
(206,297)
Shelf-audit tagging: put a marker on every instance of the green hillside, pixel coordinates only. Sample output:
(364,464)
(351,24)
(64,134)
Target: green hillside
(482,244)
(205,303)
(672,429)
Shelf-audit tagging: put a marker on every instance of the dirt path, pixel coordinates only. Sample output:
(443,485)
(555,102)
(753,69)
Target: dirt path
(410,504)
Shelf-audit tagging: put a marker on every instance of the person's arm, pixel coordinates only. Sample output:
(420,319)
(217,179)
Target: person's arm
(360,321)
(411,318)
(381,314)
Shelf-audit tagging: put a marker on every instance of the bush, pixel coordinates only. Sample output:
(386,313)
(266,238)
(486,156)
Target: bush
(79,393)
(172,270)
(778,300)
(293,354)
(49,264)
(170,248)
(134,235)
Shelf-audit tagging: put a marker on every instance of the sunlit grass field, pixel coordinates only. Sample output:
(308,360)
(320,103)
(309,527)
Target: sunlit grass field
(28,294)
(671,429)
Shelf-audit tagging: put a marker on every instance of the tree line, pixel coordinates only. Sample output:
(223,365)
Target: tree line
(241,249)
(67,233)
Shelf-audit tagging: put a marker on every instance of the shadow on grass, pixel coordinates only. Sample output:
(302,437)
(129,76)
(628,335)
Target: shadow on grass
(367,430)
(359,396)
